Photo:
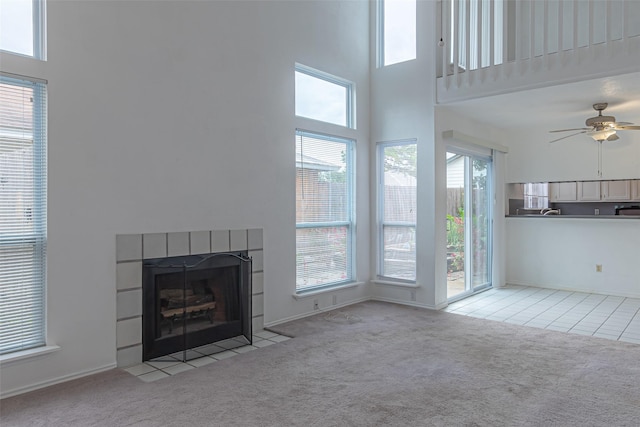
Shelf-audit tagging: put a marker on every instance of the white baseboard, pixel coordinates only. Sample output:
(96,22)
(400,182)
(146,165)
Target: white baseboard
(314,312)
(333,307)
(20,390)
(410,303)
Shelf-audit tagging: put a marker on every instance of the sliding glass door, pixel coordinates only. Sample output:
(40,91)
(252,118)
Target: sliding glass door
(469,219)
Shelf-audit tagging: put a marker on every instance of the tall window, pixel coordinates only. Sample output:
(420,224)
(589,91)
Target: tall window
(396,31)
(324,210)
(397,196)
(321,96)
(22,27)
(23,209)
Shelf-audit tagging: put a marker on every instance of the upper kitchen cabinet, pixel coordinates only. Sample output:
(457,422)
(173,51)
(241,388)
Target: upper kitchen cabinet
(595,191)
(635,189)
(589,191)
(616,191)
(563,191)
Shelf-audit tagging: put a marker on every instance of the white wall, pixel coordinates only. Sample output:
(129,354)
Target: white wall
(562,253)
(178,116)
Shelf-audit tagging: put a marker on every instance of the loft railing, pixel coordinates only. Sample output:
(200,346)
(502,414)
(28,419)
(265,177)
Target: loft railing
(496,37)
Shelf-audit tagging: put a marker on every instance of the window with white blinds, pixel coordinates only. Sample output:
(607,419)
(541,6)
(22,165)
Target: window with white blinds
(397,198)
(324,210)
(23,213)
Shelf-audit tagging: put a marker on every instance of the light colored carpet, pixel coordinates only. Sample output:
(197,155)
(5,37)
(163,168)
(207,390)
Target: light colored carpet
(370,364)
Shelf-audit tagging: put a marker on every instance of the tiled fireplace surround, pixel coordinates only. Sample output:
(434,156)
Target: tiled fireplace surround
(131,249)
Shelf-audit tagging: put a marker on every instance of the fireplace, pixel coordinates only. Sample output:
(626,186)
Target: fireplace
(134,250)
(194,300)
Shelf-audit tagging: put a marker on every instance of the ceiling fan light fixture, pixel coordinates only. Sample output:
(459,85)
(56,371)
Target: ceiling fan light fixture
(602,135)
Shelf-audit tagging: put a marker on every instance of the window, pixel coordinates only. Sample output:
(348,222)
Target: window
(22,213)
(324,210)
(321,96)
(536,195)
(397,196)
(22,27)
(396,31)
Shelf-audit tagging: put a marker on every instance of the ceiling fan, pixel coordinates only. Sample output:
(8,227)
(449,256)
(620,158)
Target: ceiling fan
(600,128)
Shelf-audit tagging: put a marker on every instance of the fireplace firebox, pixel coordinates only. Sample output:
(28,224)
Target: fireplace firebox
(194,300)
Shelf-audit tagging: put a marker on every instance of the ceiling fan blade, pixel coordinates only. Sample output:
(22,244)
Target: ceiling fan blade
(627,128)
(568,136)
(622,124)
(567,130)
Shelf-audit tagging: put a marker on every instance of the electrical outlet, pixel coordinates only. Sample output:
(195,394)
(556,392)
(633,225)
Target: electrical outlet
(315,304)
(598,268)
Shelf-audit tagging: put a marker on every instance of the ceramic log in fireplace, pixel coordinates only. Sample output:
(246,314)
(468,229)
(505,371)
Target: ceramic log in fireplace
(194,300)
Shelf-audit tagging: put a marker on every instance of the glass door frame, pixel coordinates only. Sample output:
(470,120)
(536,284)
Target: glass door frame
(469,156)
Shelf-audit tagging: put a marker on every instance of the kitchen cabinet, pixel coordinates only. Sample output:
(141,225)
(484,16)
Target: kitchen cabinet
(589,191)
(616,191)
(563,191)
(635,189)
(611,191)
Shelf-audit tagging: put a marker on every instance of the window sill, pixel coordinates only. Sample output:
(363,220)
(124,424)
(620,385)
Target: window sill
(7,359)
(394,283)
(307,294)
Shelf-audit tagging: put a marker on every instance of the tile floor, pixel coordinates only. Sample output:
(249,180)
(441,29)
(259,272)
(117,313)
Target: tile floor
(603,316)
(165,366)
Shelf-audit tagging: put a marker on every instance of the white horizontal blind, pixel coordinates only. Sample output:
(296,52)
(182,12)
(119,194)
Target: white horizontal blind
(22,214)
(398,195)
(323,210)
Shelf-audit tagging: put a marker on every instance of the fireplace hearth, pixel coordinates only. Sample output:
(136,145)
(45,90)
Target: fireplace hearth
(194,300)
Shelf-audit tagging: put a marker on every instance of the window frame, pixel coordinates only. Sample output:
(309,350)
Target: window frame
(381,47)
(39,35)
(36,238)
(350,119)
(350,162)
(382,223)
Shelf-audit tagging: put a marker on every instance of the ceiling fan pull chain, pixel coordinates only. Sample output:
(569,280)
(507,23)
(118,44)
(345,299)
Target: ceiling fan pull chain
(600,159)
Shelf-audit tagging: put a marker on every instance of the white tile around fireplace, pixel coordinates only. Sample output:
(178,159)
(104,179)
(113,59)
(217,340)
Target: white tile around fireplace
(177,244)
(238,240)
(254,238)
(128,274)
(129,303)
(200,242)
(154,245)
(128,247)
(220,241)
